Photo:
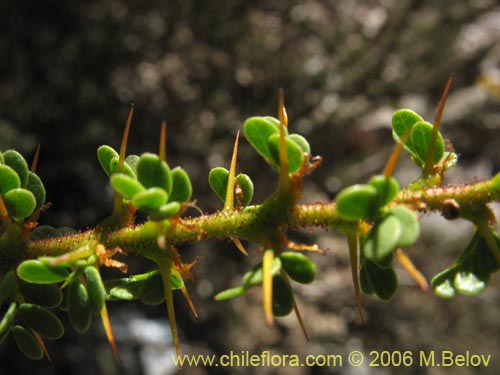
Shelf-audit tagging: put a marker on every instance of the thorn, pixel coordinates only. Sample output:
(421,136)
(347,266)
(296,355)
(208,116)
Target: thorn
(303,247)
(409,267)
(34,163)
(163,141)
(352,241)
(267,285)
(395,154)
(42,344)
(283,118)
(429,161)
(123,146)
(118,201)
(229,201)
(164,266)
(296,309)
(106,323)
(239,245)
(189,301)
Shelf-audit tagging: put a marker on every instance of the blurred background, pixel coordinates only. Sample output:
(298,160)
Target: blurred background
(70,71)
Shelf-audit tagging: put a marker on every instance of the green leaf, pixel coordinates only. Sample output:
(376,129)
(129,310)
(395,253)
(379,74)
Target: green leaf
(467,282)
(7,286)
(43,231)
(2,161)
(387,188)
(166,211)
(181,186)
(95,289)
(41,320)
(150,200)
(301,142)
(382,239)
(420,138)
(217,179)
(27,343)
(295,153)
(80,313)
(48,295)
(7,322)
(402,120)
(257,131)
(410,228)
(20,203)
(231,293)
(132,161)
(131,288)
(299,267)
(35,185)
(470,273)
(37,272)
(154,172)
(283,300)
(357,202)
(125,288)
(442,284)
(17,162)
(127,170)
(246,185)
(125,185)
(152,292)
(9,179)
(105,154)
(254,276)
(379,281)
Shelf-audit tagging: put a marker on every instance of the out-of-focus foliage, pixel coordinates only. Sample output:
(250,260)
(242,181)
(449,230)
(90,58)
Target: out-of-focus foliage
(69,71)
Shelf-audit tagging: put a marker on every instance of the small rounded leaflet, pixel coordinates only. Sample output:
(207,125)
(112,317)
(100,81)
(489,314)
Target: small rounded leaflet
(20,203)
(17,162)
(80,313)
(301,142)
(154,172)
(357,202)
(379,281)
(37,272)
(27,343)
(41,320)
(48,295)
(410,228)
(299,267)
(419,140)
(125,185)
(35,185)
(95,289)
(246,185)
(105,154)
(150,200)
(283,300)
(387,188)
(9,179)
(257,131)
(181,186)
(382,239)
(294,151)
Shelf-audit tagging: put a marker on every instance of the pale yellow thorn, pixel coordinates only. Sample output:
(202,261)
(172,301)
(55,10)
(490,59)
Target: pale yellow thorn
(267,285)
(163,141)
(409,267)
(186,295)
(239,245)
(106,323)
(229,201)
